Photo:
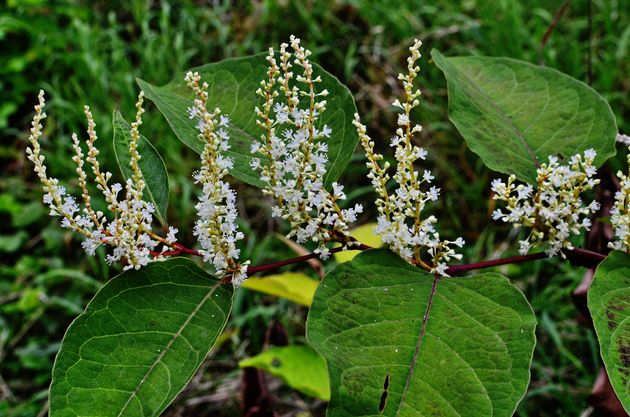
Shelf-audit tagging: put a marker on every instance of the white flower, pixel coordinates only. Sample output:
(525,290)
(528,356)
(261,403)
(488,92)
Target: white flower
(590,154)
(171,236)
(621,138)
(555,210)
(524,247)
(440,269)
(129,232)
(295,160)
(620,212)
(400,222)
(215,228)
(403,119)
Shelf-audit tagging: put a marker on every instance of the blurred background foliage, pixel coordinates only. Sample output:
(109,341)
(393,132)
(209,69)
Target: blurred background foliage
(89,52)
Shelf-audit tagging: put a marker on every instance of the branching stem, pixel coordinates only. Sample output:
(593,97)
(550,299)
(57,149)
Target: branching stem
(579,257)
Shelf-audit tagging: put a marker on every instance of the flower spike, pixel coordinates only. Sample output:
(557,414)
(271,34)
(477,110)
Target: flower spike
(129,232)
(554,210)
(216,227)
(620,212)
(294,151)
(400,222)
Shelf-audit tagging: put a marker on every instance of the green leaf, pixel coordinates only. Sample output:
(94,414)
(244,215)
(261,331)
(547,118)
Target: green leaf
(233,84)
(299,366)
(294,286)
(609,304)
(151,164)
(514,115)
(139,341)
(29,214)
(397,342)
(12,243)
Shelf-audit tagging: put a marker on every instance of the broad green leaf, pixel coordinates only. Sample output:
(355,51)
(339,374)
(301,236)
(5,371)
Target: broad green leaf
(139,341)
(514,115)
(364,234)
(609,304)
(294,286)
(399,343)
(299,366)
(151,165)
(233,84)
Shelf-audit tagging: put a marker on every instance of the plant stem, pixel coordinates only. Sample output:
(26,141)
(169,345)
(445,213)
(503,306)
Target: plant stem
(261,268)
(579,257)
(459,269)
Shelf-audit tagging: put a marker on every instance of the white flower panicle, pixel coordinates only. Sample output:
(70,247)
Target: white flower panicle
(216,227)
(620,212)
(554,210)
(400,221)
(294,151)
(129,232)
(621,138)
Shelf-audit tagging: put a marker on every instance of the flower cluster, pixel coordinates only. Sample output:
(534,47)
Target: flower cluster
(554,210)
(216,227)
(400,221)
(621,138)
(292,152)
(129,232)
(620,212)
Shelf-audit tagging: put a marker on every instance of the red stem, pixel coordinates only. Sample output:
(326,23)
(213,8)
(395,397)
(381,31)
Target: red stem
(580,257)
(458,269)
(260,268)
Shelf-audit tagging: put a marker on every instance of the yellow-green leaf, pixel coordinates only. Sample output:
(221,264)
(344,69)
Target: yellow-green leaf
(364,234)
(293,286)
(299,366)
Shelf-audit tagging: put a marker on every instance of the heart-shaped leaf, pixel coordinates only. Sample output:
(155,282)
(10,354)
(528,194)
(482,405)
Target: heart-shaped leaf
(139,341)
(399,342)
(609,304)
(514,115)
(151,165)
(233,84)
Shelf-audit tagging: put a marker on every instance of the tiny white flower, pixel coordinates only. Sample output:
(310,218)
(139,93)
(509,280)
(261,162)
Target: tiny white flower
(555,210)
(403,119)
(171,236)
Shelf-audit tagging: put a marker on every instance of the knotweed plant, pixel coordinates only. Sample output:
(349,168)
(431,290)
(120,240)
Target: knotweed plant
(292,152)
(554,210)
(620,212)
(401,224)
(396,326)
(216,227)
(128,228)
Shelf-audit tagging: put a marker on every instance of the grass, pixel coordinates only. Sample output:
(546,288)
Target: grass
(90,53)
